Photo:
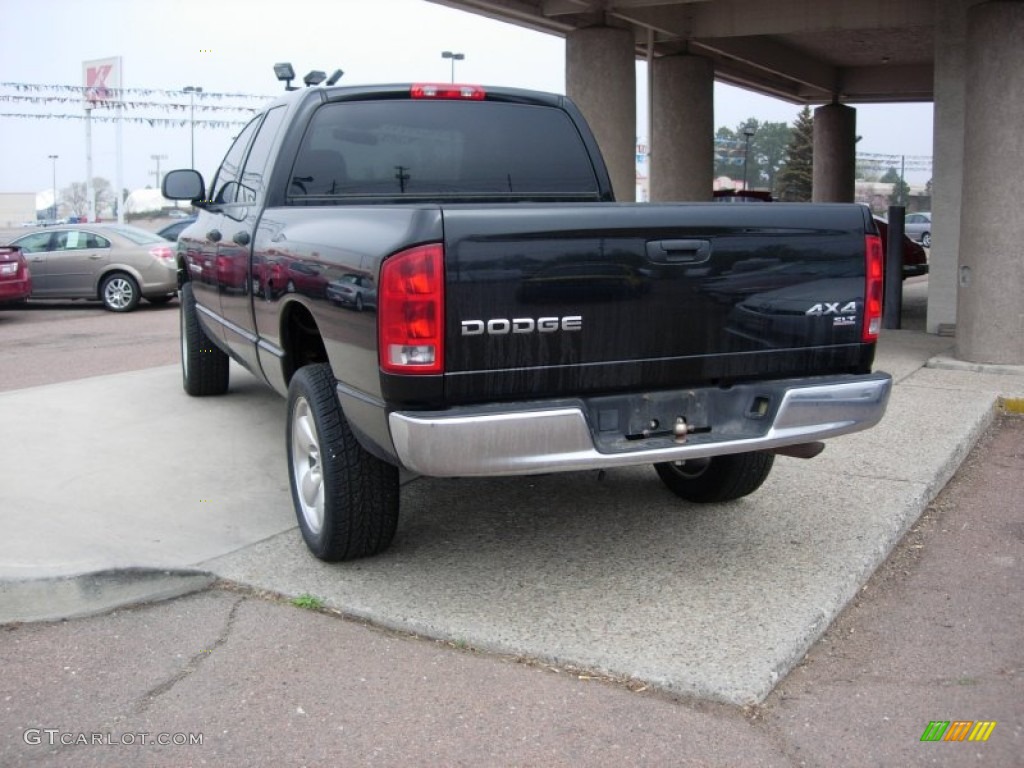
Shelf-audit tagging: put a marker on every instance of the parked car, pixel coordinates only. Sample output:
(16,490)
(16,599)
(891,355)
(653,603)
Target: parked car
(172,230)
(915,258)
(116,264)
(918,226)
(353,291)
(15,278)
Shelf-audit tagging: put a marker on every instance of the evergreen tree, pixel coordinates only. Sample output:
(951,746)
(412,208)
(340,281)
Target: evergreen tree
(900,189)
(795,178)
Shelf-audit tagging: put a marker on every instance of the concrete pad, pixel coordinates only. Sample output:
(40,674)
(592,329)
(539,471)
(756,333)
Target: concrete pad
(901,353)
(128,471)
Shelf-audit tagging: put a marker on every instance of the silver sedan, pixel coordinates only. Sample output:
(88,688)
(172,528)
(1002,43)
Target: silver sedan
(918,226)
(116,264)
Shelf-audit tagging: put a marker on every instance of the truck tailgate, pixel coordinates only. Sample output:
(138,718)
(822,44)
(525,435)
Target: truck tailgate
(559,299)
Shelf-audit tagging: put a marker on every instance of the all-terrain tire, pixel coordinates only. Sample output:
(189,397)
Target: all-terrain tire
(718,478)
(346,499)
(204,366)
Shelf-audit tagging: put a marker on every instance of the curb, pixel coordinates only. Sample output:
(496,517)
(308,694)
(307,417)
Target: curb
(87,594)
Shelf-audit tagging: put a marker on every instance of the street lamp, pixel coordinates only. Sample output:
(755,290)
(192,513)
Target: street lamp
(454,57)
(192,90)
(54,159)
(746,154)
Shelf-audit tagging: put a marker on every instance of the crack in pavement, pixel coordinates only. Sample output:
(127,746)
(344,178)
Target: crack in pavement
(149,697)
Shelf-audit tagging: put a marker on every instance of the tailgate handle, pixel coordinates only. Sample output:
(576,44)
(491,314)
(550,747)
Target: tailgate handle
(679,251)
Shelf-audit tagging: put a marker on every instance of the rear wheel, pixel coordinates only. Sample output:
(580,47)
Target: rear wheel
(204,367)
(346,499)
(120,292)
(717,478)
(926,239)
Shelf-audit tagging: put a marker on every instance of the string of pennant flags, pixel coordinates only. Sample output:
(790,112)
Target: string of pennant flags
(125,104)
(128,103)
(81,89)
(164,122)
(210,102)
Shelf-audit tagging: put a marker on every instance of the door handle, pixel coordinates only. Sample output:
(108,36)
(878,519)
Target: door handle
(37,259)
(679,251)
(94,256)
(213,235)
(242,238)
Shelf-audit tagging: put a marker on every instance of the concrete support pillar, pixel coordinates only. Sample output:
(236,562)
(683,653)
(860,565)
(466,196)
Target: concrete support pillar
(683,131)
(990,316)
(948,161)
(835,154)
(600,74)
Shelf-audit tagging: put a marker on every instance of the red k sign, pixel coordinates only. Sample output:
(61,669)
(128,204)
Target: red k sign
(102,80)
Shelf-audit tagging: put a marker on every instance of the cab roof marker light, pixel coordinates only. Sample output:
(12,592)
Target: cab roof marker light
(447,91)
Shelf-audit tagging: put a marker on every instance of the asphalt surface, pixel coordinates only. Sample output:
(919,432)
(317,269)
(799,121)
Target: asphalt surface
(933,635)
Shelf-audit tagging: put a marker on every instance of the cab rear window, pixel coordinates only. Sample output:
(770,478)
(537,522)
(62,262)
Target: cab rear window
(441,149)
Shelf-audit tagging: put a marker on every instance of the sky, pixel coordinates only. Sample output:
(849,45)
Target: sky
(230,47)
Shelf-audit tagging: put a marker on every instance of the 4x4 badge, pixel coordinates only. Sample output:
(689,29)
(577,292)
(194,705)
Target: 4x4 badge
(832,308)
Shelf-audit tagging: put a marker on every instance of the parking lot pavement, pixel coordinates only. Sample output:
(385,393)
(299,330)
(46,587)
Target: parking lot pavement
(45,342)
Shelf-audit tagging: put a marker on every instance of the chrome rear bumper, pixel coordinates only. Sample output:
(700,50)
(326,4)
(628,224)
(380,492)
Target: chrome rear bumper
(557,437)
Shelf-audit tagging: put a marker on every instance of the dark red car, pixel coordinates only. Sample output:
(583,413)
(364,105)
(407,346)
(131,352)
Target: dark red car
(915,260)
(15,278)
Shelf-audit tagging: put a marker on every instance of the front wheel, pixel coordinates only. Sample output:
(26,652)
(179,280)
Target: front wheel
(926,239)
(346,499)
(120,292)
(716,478)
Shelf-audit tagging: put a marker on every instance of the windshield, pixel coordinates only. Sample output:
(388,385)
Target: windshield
(439,149)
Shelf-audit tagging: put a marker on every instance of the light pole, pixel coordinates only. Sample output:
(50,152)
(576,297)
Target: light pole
(454,57)
(54,159)
(746,154)
(192,90)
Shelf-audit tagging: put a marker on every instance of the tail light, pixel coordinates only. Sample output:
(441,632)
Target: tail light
(410,314)
(163,253)
(875,270)
(447,91)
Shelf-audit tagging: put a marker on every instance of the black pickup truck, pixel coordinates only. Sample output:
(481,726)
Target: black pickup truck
(437,278)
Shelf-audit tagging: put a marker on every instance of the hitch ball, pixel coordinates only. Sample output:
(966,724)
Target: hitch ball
(679,429)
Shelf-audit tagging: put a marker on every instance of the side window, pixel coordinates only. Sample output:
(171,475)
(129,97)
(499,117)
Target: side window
(259,155)
(231,168)
(34,243)
(75,240)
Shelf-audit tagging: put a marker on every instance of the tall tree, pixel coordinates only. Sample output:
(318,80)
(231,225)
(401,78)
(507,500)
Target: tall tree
(796,177)
(76,196)
(728,154)
(900,189)
(767,153)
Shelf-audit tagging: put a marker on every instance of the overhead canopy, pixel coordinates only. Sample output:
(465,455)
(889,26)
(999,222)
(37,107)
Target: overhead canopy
(803,51)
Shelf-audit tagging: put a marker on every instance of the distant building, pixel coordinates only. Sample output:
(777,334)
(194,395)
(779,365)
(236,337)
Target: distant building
(17,208)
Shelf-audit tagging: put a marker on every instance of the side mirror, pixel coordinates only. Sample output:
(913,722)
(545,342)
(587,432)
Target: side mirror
(184,184)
